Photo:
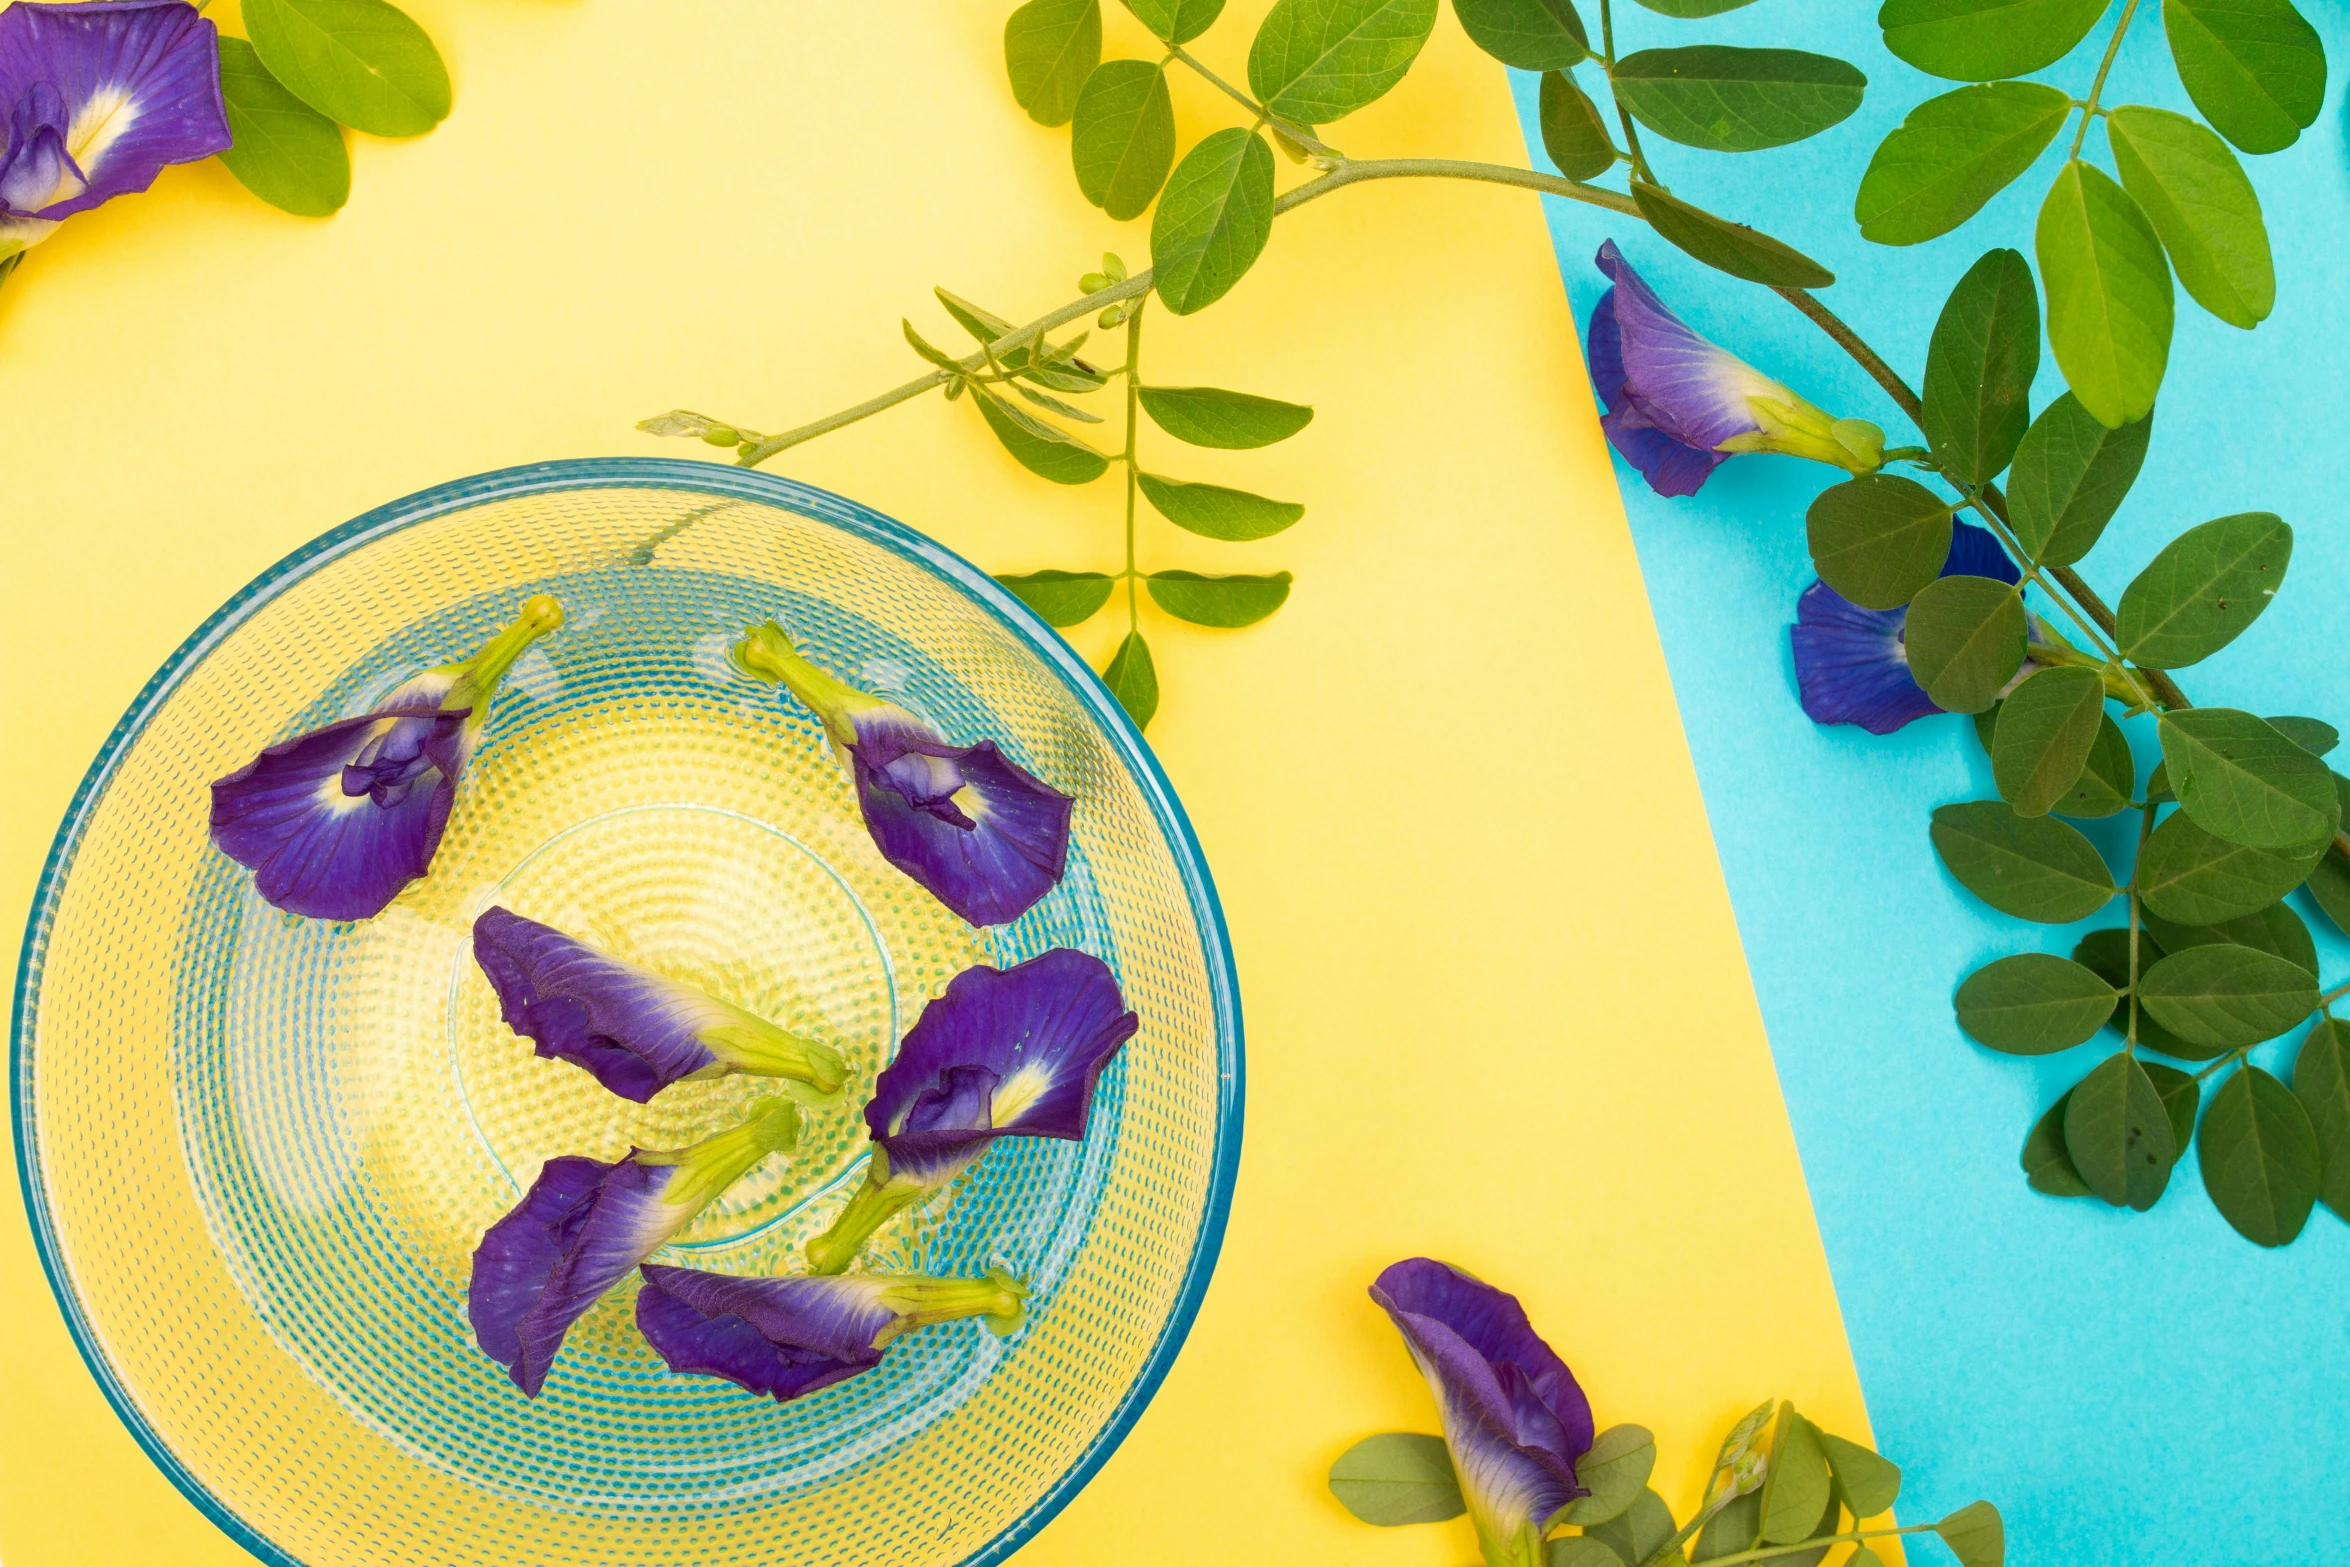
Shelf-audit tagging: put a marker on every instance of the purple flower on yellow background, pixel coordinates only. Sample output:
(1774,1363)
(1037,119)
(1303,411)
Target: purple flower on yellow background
(788,1337)
(585,1225)
(1004,1053)
(1678,407)
(97,100)
(986,836)
(335,822)
(636,1031)
(1514,1418)
(1852,665)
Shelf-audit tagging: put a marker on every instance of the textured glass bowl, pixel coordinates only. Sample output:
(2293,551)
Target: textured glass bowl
(259,1150)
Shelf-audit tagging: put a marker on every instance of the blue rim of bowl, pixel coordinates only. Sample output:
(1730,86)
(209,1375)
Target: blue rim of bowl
(715,479)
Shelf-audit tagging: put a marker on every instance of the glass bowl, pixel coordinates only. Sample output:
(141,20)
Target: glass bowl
(258,1150)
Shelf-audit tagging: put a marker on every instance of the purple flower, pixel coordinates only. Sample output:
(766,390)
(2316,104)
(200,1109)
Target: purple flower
(1677,406)
(1851,665)
(1514,1418)
(585,1225)
(788,1337)
(335,822)
(1004,1053)
(97,99)
(987,837)
(636,1031)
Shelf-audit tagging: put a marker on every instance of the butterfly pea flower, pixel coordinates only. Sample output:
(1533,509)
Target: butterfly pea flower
(633,1030)
(96,100)
(335,822)
(1004,1053)
(1678,407)
(986,836)
(1514,1418)
(789,1337)
(585,1225)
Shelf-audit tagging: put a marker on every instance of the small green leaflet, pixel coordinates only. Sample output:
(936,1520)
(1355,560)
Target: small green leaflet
(2260,1157)
(1533,35)
(1134,680)
(1983,40)
(1951,155)
(1398,1478)
(2181,1095)
(1726,99)
(2048,1169)
(1615,1471)
(1177,21)
(2275,930)
(2106,782)
(1050,48)
(1122,141)
(285,152)
(1211,416)
(2243,780)
(2109,294)
(2118,1132)
(2033,1004)
(1213,221)
(1725,246)
(1878,539)
(2106,953)
(1869,1482)
(361,63)
(2186,874)
(2046,729)
(1975,1535)
(2202,589)
(1979,367)
(2070,475)
(2313,735)
(2321,1081)
(2033,867)
(1798,1485)
(1577,1550)
(1044,450)
(1215,512)
(1966,640)
(2227,996)
(1061,598)
(1315,61)
(1573,132)
(1692,9)
(1639,1532)
(2195,194)
(1218,601)
(2254,67)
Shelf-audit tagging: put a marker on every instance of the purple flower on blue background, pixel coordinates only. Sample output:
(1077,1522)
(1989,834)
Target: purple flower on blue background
(1514,1418)
(97,99)
(636,1031)
(585,1225)
(1004,1053)
(1678,407)
(335,822)
(986,836)
(789,1337)
(1851,664)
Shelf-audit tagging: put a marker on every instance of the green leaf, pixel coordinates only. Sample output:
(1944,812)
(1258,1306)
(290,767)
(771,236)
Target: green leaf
(1615,1472)
(2254,67)
(1975,1535)
(1798,1485)
(2033,867)
(1640,1531)
(2242,780)
(2106,953)
(2260,1157)
(2321,1081)
(1979,367)
(1878,539)
(2329,883)
(1054,405)
(2180,1094)
(1965,637)
(1216,512)
(1045,450)
(2109,294)
(2105,784)
(1869,1483)
(2048,1169)
(2032,1004)
(1533,35)
(1214,219)
(2118,1132)
(2195,194)
(1726,99)
(1317,60)
(2187,875)
(1234,421)
(1573,133)
(361,63)
(1398,1478)
(1691,9)
(2070,475)
(285,152)
(1733,1529)
(1734,248)
(2227,996)
(1050,48)
(2275,930)
(922,345)
(1061,598)
(983,324)
(1578,1550)
(2313,735)
(1218,601)
(2204,587)
(1177,21)
(1134,680)
(1123,139)
(1951,155)
(1982,40)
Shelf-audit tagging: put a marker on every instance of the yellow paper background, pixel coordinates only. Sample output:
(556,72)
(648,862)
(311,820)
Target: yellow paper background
(1496,1007)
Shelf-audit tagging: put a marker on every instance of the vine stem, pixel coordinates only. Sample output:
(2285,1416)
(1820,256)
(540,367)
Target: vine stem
(1607,60)
(1296,133)
(1133,400)
(1764,1553)
(2097,87)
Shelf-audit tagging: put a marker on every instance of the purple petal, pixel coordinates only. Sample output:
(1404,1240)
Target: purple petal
(335,822)
(139,85)
(987,837)
(624,1223)
(515,1258)
(633,1030)
(1004,1052)
(1693,392)
(1851,666)
(1670,467)
(698,1329)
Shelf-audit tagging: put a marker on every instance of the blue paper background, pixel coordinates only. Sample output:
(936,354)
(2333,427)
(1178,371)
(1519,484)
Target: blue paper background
(2129,1388)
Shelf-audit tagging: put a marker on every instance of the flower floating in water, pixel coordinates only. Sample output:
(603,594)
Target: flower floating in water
(335,822)
(987,837)
(586,1225)
(788,1337)
(1514,1418)
(1851,664)
(97,100)
(636,1031)
(1004,1053)
(1678,407)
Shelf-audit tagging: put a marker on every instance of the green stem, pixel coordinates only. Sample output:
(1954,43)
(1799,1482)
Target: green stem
(2097,87)
(1607,60)
(1764,1553)
(877,1202)
(2334,995)
(1133,408)
(2145,830)
(2232,1056)
(1296,133)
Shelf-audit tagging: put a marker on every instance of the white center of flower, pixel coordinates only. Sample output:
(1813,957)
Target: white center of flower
(1016,1093)
(98,124)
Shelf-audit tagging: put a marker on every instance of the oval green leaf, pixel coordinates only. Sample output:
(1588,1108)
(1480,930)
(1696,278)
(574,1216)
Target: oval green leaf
(1975,1534)
(1639,1532)
(1398,1478)
(2227,996)
(1951,155)
(1214,219)
(1983,40)
(2276,930)
(1732,1529)
(1233,421)
(1726,99)
(1315,61)
(1878,539)
(1615,1471)
(2204,587)
(1798,1485)
(2195,194)
(361,63)
(2243,780)
(2105,785)
(1061,598)
(1050,50)
(1177,21)
(2106,953)
(2047,727)
(1979,367)
(2181,1095)
(2032,1004)
(1216,512)
(1134,680)
(2321,1081)
(1218,601)
(2313,735)
(2118,1132)
(1966,640)
(2033,867)
(2109,294)
(2048,1169)
(1123,138)
(1870,1483)
(1578,1550)
(2187,875)
(2260,1158)
(2256,68)
(2070,475)
(1045,450)
(284,151)
(1725,246)
(1573,133)
(1689,10)
(1533,35)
